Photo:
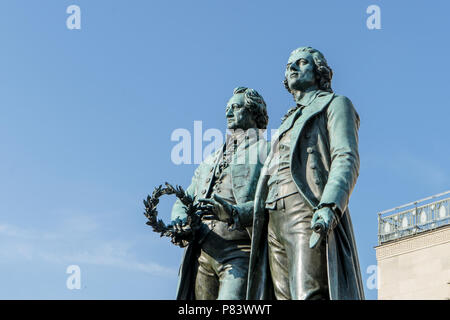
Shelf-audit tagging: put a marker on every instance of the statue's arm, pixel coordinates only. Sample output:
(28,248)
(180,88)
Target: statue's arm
(179,209)
(342,125)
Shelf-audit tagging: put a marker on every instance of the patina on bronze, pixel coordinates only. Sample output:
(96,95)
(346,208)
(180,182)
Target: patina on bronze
(303,192)
(215,262)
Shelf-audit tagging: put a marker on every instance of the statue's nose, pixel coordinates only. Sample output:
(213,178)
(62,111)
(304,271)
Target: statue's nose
(229,112)
(293,67)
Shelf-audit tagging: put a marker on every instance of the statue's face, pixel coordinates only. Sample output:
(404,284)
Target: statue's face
(300,71)
(238,116)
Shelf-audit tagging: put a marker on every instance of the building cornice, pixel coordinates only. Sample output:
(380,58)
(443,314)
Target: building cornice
(413,243)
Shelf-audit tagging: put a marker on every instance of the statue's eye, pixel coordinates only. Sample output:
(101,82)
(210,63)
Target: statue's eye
(236,106)
(303,61)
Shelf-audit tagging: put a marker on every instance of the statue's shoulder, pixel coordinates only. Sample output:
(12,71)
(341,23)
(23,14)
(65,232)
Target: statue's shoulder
(340,101)
(342,106)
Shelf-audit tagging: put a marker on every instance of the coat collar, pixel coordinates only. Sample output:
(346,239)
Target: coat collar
(320,101)
(308,98)
(310,102)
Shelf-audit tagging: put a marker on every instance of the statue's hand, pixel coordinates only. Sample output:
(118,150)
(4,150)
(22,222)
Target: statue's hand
(323,221)
(220,208)
(183,233)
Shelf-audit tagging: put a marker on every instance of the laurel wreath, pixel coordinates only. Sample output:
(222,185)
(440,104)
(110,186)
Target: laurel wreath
(151,212)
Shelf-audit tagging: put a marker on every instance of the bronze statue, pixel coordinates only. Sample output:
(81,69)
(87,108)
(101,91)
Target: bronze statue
(215,262)
(303,192)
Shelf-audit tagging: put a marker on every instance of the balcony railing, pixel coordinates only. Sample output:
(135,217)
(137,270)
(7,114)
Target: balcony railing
(415,217)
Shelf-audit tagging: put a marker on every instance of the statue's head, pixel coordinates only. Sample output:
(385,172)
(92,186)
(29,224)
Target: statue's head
(306,68)
(246,109)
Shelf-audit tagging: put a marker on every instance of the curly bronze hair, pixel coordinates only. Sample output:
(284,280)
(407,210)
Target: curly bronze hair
(322,70)
(256,104)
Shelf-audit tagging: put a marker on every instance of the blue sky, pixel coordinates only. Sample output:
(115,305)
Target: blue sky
(86,118)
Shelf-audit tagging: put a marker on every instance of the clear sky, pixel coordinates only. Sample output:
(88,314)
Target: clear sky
(86,118)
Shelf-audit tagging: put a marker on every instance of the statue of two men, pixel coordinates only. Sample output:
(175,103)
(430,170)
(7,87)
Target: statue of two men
(278,229)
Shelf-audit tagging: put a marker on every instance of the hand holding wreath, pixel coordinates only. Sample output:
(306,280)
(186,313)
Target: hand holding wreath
(181,232)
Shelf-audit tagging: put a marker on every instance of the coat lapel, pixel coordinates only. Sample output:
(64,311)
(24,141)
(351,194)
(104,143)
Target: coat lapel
(317,105)
(211,163)
(287,124)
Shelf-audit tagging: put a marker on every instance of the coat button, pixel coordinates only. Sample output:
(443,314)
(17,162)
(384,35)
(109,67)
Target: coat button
(307,136)
(317,181)
(312,166)
(310,150)
(204,191)
(208,180)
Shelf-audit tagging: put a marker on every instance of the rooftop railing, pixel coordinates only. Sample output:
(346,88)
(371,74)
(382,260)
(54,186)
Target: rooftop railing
(415,217)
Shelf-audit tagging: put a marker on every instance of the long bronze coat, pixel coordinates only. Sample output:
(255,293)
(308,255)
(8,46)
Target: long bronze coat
(324,166)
